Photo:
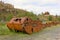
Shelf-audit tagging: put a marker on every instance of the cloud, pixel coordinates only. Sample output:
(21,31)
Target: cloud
(37,6)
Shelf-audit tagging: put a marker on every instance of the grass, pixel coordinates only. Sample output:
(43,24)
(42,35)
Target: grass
(5,31)
(52,27)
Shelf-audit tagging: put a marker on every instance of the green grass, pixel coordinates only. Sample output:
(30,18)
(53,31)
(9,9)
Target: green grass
(5,31)
(52,27)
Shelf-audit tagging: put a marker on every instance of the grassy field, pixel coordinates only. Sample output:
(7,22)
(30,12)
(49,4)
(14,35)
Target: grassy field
(5,31)
(6,34)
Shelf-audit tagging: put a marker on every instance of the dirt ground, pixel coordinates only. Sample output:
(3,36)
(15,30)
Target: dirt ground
(49,34)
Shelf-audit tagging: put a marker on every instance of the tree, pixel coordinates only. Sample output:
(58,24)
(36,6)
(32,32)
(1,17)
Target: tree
(50,18)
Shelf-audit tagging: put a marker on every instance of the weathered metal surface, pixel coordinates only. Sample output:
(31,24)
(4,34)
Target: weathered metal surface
(28,25)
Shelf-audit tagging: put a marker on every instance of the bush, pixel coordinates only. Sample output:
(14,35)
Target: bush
(50,18)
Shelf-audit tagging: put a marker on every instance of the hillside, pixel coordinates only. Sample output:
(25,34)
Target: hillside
(7,11)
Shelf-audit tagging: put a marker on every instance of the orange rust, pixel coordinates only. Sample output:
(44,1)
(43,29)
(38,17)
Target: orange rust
(28,25)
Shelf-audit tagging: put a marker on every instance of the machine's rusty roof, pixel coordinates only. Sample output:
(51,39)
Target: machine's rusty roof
(23,19)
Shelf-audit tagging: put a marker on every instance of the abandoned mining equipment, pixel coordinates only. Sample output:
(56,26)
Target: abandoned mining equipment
(25,24)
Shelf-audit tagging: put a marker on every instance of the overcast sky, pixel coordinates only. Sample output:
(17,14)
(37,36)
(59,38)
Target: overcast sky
(37,6)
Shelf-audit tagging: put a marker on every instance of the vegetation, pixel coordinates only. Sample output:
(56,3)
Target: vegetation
(50,18)
(47,17)
(7,11)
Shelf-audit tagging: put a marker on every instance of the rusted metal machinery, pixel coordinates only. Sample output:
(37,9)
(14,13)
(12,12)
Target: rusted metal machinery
(25,24)
(28,25)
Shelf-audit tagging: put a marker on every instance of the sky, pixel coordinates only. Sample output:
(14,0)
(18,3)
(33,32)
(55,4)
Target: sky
(37,6)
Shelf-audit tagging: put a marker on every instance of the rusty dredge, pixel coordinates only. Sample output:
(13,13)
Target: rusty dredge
(27,25)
